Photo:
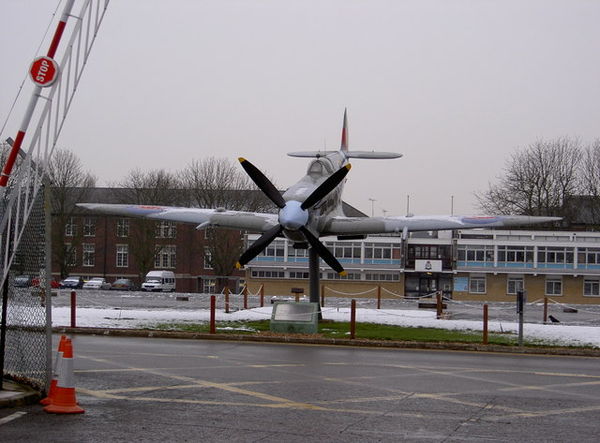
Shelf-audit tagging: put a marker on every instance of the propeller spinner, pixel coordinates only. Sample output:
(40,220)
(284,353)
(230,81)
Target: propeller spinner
(293,215)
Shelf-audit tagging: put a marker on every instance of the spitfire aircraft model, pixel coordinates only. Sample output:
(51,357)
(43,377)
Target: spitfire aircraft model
(310,209)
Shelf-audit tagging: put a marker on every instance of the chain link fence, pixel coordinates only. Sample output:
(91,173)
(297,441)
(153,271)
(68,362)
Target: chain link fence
(24,305)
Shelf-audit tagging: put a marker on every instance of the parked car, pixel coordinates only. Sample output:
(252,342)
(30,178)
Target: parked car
(72,282)
(96,283)
(123,284)
(22,281)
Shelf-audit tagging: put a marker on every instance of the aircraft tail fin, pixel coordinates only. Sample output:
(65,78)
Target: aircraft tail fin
(344,144)
(344,148)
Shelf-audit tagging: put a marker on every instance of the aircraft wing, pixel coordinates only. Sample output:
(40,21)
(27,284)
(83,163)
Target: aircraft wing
(251,221)
(382,225)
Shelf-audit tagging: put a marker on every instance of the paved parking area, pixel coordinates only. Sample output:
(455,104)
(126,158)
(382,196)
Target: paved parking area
(136,389)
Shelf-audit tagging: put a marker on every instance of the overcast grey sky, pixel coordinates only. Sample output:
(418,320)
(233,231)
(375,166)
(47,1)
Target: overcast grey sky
(456,86)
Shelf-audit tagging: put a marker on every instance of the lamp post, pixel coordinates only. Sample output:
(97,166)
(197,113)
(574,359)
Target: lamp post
(372,200)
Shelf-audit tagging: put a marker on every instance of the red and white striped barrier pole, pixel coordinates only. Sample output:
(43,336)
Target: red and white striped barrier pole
(44,72)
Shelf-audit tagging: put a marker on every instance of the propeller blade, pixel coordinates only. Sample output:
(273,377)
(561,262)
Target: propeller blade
(326,187)
(263,183)
(259,245)
(323,252)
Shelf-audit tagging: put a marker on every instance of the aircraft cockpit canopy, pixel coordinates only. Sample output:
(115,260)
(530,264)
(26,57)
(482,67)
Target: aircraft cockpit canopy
(318,168)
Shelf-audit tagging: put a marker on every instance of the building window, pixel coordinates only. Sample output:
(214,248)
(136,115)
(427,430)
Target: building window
(552,257)
(514,284)
(515,256)
(166,229)
(347,251)
(553,286)
(165,257)
(348,276)
(299,274)
(207,258)
(123,227)
(70,227)
(476,255)
(275,252)
(208,285)
(477,284)
(588,257)
(268,274)
(591,288)
(122,256)
(89,254)
(380,276)
(89,227)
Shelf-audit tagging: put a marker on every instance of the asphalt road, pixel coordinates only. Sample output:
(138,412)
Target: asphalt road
(136,389)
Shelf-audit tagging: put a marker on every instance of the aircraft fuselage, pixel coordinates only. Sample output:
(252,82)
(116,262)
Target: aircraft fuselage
(319,170)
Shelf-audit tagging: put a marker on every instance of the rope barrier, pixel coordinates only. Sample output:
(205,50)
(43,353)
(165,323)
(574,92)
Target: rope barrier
(350,293)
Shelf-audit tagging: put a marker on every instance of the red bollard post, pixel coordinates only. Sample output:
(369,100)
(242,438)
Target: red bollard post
(245,292)
(262,296)
(73,309)
(545,310)
(439,305)
(213,306)
(353,319)
(378,297)
(226,300)
(485,324)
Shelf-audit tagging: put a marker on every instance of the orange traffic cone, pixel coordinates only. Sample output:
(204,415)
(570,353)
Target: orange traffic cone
(64,401)
(55,371)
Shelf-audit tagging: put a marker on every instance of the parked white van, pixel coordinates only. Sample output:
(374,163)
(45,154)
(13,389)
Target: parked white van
(159,281)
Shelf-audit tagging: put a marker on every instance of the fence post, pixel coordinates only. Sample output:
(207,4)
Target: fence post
(545,310)
(379,297)
(439,306)
(245,298)
(485,324)
(73,309)
(226,300)
(262,296)
(213,304)
(322,296)
(353,319)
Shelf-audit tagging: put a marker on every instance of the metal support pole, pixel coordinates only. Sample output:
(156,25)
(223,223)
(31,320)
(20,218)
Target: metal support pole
(379,297)
(520,309)
(3,328)
(48,286)
(314,278)
(545,310)
(226,300)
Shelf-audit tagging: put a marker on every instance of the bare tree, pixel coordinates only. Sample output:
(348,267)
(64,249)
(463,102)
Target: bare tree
(70,184)
(587,206)
(221,183)
(537,180)
(155,187)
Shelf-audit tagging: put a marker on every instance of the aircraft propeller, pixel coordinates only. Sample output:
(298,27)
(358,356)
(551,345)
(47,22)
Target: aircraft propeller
(293,215)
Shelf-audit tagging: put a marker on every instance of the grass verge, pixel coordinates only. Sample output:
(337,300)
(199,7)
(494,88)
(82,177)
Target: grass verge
(369,331)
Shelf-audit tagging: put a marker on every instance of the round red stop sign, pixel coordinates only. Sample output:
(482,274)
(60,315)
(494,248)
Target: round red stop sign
(44,71)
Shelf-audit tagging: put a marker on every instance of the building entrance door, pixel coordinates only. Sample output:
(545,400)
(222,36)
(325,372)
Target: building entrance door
(427,284)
